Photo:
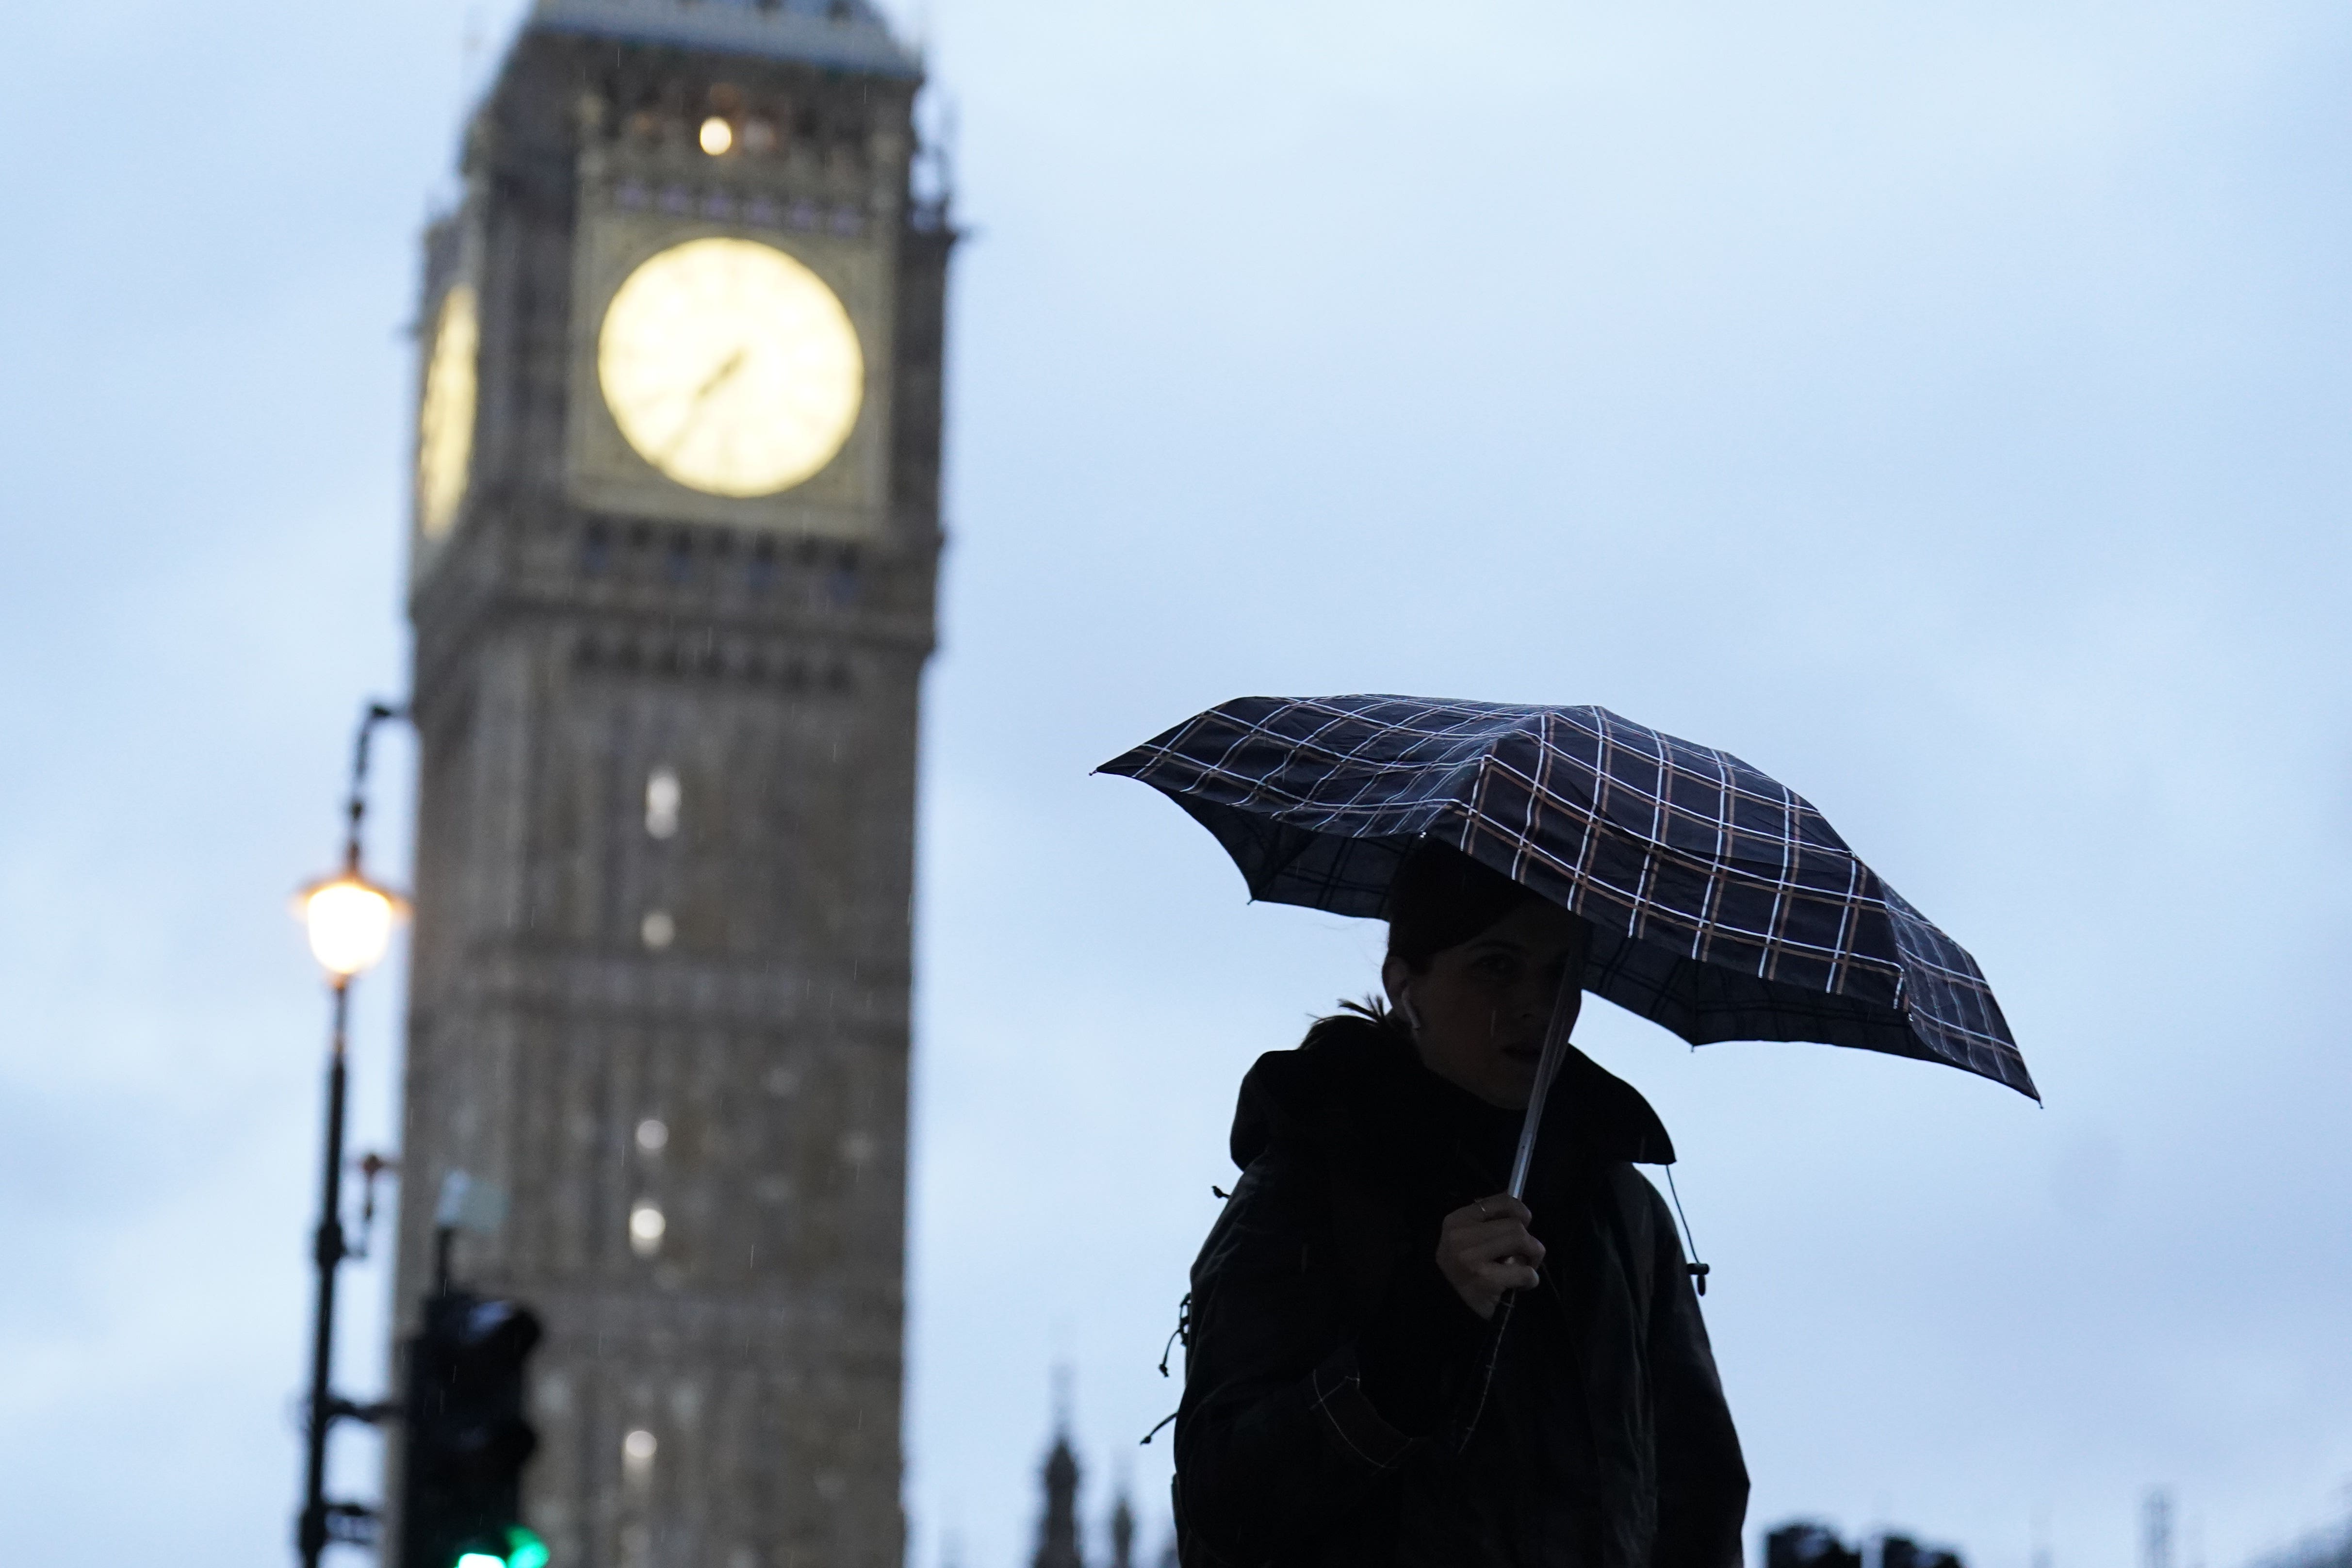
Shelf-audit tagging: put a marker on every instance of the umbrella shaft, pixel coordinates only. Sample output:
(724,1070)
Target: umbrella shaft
(1555,1051)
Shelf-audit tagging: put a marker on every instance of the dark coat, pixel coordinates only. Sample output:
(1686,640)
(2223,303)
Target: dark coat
(1342,1406)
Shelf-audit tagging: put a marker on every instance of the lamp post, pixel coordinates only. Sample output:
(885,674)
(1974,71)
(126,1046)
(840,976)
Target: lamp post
(350,922)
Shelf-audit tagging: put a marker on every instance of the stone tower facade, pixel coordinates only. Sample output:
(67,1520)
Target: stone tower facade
(676,529)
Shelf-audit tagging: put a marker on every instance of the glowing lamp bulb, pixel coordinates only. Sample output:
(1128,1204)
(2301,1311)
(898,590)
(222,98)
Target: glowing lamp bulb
(717,136)
(350,922)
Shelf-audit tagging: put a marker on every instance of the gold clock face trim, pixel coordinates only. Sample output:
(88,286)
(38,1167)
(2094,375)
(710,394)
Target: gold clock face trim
(731,367)
(444,424)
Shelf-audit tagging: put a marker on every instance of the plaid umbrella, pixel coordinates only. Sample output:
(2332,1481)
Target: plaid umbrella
(1723,906)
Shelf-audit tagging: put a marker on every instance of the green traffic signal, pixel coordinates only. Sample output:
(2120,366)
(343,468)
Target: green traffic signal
(524,1549)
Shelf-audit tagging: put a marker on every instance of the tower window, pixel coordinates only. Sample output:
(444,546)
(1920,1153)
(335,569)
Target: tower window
(646,1228)
(657,930)
(662,797)
(637,1450)
(653,1135)
(718,136)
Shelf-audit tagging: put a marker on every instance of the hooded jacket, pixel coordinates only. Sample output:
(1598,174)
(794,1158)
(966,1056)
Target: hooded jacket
(1343,1407)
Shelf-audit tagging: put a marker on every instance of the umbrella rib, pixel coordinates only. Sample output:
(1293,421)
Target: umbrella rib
(1776,934)
(1727,799)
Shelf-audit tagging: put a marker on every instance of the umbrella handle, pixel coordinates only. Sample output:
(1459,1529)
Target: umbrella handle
(1555,1051)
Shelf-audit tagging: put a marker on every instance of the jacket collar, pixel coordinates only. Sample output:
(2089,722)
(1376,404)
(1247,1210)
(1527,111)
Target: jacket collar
(1355,1086)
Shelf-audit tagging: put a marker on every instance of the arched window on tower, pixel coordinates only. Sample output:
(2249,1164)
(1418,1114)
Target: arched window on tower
(662,798)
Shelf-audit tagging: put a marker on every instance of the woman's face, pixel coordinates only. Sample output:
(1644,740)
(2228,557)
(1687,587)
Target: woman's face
(1479,1010)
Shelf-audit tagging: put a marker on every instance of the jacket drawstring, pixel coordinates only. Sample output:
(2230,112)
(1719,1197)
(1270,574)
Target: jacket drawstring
(1699,1271)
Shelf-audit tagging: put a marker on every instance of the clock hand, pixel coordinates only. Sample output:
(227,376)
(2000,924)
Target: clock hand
(717,379)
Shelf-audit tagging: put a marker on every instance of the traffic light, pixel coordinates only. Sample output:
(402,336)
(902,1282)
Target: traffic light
(522,1550)
(467,1440)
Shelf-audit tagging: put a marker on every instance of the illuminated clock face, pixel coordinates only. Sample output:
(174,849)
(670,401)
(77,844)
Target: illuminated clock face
(445,425)
(731,367)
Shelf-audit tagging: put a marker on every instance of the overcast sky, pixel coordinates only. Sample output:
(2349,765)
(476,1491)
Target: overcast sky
(1944,408)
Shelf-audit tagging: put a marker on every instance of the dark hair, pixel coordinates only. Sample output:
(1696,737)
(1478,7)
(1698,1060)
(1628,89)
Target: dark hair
(1440,897)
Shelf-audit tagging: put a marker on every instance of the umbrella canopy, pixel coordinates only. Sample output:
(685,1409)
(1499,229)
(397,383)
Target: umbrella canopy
(1723,906)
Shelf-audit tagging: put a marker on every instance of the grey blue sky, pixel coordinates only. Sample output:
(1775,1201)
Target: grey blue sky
(1945,408)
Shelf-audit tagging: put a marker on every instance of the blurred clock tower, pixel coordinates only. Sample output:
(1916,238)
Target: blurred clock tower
(675,538)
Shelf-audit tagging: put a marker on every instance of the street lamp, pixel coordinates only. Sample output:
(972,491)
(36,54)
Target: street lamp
(350,922)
